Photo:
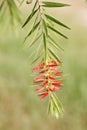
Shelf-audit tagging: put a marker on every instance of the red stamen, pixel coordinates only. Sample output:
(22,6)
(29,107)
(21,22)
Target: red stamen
(43,87)
(36,69)
(42,65)
(52,78)
(57,84)
(54,89)
(43,71)
(58,73)
(44,95)
(54,68)
(39,79)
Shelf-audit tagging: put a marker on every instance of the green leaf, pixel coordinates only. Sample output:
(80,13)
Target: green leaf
(55,106)
(54,55)
(54,42)
(56,21)
(58,103)
(35,5)
(35,59)
(45,47)
(45,27)
(29,17)
(36,39)
(53,29)
(51,107)
(38,59)
(53,45)
(57,109)
(54,4)
(32,30)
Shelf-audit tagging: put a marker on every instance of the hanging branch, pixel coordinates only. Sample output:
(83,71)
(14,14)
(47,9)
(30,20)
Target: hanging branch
(44,45)
(45,49)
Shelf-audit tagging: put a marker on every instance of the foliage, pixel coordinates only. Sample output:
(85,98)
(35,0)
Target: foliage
(46,48)
(43,30)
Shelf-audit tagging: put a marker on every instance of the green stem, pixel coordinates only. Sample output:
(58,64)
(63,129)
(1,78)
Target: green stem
(43,30)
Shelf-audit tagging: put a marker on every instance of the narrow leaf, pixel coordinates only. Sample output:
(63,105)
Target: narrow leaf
(35,60)
(45,47)
(58,110)
(35,5)
(55,109)
(53,45)
(38,59)
(56,31)
(59,103)
(54,4)
(51,107)
(30,17)
(32,30)
(45,26)
(54,55)
(54,42)
(56,21)
(36,39)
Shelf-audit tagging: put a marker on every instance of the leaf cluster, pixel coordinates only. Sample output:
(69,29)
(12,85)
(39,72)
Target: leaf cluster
(42,30)
(44,25)
(55,106)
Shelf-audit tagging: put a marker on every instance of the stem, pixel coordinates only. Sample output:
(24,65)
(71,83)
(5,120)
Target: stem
(40,14)
(42,29)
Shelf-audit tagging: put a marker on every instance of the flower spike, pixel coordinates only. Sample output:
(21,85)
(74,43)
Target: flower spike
(50,82)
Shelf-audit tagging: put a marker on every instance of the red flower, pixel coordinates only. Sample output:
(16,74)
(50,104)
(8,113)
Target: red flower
(49,80)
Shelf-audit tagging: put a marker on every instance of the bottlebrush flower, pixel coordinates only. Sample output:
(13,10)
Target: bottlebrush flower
(49,78)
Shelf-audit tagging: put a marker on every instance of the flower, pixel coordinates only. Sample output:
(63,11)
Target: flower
(48,79)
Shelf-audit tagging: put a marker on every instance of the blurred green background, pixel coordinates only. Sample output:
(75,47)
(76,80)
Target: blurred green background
(20,108)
